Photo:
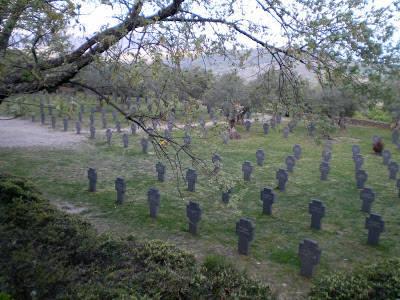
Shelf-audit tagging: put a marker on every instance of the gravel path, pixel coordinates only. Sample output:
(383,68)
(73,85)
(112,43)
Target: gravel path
(23,133)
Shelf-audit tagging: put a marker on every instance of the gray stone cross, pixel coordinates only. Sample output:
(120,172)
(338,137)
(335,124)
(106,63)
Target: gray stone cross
(367,196)
(260,156)
(267,197)
(193,213)
(153,198)
(92,176)
(309,254)
(191,177)
(317,210)
(120,187)
(245,231)
(375,226)
(247,169)
(282,177)
(297,151)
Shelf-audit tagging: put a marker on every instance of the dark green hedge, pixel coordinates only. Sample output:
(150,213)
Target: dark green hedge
(377,281)
(46,254)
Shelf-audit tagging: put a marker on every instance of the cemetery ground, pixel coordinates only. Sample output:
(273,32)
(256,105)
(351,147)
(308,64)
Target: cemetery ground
(61,174)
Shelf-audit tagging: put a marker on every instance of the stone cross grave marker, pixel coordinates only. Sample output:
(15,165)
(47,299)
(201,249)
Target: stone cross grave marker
(247,124)
(92,132)
(118,126)
(272,123)
(65,123)
(393,169)
(247,169)
(311,129)
(297,151)
(53,122)
(193,213)
(125,140)
(191,177)
(356,150)
(324,168)
(260,156)
(395,136)
(290,163)
(266,128)
(326,155)
(160,169)
(145,145)
(153,198)
(309,254)
(267,197)
(358,161)
(361,178)
(282,177)
(108,136)
(386,155)
(120,187)
(367,196)
(317,210)
(78,127)
(245,231)
(133,128)
(285,132)
(92,176)
(375,226)
(226,195)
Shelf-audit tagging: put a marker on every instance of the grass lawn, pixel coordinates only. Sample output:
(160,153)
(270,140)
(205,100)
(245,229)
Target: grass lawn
(61,176)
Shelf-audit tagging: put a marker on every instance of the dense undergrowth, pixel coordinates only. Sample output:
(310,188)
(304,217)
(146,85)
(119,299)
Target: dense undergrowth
(46,254)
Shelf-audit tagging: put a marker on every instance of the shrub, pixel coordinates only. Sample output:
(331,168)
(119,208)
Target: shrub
(46,254)
(377,281)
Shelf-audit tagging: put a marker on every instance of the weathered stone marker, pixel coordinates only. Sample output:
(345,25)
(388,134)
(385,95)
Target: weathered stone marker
(247,124)
(260,156)
(53,122)
(361,178)
(247,169)
(92,130)
(133,128)
(367,196)
(282,177)
(317,210)
(125,140)
(393,169)
(118,126)
(285,132)
(145,145)
(358,161)
(297,151)
(193,213)
(191,177)
(109,136)
(309,254)
(386,155)
(266,128)
(375,226)
(120,187)
(267,197)
(160,169)
(356,150)
(324,168)
(65,123)
(92,176)
(245,231)
(290,163)
(153,198)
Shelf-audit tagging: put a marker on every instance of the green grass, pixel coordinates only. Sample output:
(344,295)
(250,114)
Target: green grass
(61,175)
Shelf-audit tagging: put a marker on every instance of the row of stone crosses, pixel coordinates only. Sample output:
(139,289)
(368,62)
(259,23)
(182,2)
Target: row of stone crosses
(309,251)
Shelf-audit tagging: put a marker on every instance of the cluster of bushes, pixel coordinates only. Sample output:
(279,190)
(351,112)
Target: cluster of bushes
(46,254)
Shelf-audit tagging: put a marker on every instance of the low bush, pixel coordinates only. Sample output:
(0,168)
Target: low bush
(46,254)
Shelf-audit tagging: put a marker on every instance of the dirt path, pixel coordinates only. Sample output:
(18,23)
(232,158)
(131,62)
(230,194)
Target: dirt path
(23,133)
